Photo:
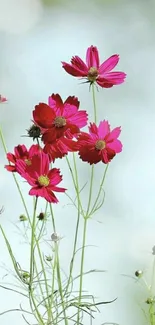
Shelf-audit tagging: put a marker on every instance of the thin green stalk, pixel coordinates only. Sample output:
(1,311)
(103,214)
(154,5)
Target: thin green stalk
(32,242)
(76,185)
(60,283)
(90,191)
(45,278)
(75,181)
(94,103)
(32,264)
(58,269)
(53,287)
(81,268)
(99,192)
(52,215)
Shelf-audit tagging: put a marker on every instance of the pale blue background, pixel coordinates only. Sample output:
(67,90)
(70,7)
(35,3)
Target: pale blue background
(34,40)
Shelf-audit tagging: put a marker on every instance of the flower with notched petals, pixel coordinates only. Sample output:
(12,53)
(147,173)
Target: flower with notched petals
(43,180)
(58,119)
(21,153)
(93,71)
(100,144)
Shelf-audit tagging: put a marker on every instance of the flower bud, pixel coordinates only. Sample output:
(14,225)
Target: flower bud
(48,258)
(138,273)
(55,237)
(41,216)
(34,132)
(149,301)
(22,218)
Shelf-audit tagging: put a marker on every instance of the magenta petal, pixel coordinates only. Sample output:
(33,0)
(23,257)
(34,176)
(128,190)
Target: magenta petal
(116,146)
(45,193)
(56,103)
(114,78)
(114,134)
(79,119)
(104,84)
(92,57)
(55,177)
(77,62)
(103,129)
(109,64)
(73,70)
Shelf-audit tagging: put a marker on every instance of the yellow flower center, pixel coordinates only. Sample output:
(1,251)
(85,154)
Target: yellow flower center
(28,162)
(43,180)
(59,121)
(100,144)
(92,74)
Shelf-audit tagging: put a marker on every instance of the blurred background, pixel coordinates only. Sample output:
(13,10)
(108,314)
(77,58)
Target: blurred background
(35,36)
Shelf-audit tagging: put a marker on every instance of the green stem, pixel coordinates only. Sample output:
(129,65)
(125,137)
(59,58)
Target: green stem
(80,209)
(81,269)
(99,192)
(94,103)
(32,242)
(60,283)
(90,190)
(32,264)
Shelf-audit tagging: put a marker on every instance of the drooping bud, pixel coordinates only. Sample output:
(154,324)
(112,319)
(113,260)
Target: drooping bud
(48,258)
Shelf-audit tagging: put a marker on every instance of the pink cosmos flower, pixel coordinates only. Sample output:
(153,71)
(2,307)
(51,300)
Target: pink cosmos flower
(43,180)
(2,99)
(21,153)
(93,71)
(58,119)
(100,144)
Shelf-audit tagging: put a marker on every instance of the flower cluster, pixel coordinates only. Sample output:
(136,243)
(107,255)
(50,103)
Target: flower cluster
(59,126)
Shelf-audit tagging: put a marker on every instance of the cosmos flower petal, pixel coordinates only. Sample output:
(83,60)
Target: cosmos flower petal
(92,57)
(114,134)
(116,146)
(43,115)
(56,103)
(115,78)
(109,64)
(44,193)
(73,70)
(54,175)
(103,129)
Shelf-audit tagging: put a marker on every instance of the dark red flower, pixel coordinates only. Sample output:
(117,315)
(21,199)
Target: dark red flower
(21,153)
(60,148)
(43,180)
(58,119)
(93,71)
(100,144)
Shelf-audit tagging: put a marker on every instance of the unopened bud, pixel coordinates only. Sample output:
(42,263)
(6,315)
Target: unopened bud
(149,301)
(22,218)
(138,273)
(55,237)
(34,132)
(41,216)
(48,258)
